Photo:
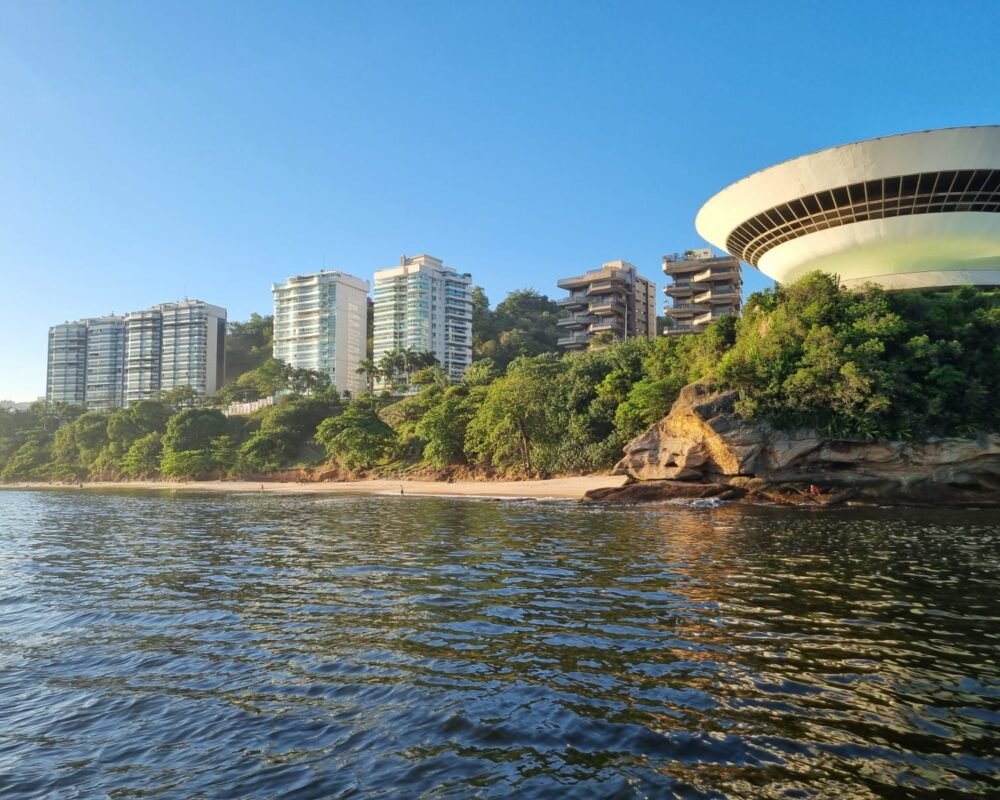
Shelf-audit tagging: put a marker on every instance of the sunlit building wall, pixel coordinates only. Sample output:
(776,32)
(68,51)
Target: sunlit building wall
(143,350)
(613,300)
(193,346)
(424,305)
(105,363)
(702,288)
(66,377)
(109,362)
(321,324)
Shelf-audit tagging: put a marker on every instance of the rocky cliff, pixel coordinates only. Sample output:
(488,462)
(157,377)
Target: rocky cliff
(703,442)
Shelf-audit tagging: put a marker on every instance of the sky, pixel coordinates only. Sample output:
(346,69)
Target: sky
(160,150)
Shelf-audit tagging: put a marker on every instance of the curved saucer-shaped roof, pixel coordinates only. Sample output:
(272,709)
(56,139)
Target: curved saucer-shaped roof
(913,210)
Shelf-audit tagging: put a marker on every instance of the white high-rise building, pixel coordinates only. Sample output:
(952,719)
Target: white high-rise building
(193,346)
(321,323)
(425,306)
(110,362)
(105,363)
(67,371)
(143,350)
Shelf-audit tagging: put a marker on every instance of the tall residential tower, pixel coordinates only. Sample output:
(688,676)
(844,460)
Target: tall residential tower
(703,288)
(320,323)
(426,306)
(66,380)
(193,346)
(110,362)
(614,299)
(105,368)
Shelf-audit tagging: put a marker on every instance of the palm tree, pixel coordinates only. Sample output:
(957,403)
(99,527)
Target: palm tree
(427,358)
(409,358)
(388,367)
(370,370)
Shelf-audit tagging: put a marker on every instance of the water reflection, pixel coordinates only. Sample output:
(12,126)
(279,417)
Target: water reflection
(352,646)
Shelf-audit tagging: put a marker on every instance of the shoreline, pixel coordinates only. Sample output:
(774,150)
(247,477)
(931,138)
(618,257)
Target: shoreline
(573,488)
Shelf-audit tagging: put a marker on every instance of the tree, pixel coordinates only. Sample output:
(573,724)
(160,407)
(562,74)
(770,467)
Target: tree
(357,437)
(248,345)
(308,381)
(286,431)
(481,373)
(518,426)
(268,379)
(443,426)
(524,324)
(370,370)
(867,363)
(77,444)
(189,441)
(30,459)
(180,397)
(142,460)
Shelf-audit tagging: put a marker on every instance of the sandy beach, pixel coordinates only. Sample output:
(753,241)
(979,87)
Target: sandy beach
(554,488)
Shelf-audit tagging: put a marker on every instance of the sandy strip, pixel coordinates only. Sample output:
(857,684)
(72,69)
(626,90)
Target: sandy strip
(554,488)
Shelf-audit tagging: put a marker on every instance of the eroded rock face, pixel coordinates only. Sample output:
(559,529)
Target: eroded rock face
(702,440)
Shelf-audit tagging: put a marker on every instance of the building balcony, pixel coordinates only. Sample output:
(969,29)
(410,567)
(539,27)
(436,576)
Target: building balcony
(576,341)
(725,297)
(683,311)
(679,289)
(608,308)
(607,287)
(607,324)
(717,273)
(716,296)
(684,268)
(577,321)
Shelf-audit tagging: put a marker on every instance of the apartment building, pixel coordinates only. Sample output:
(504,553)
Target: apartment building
(114,361)
(703,288)
(193,346)
(105,367)
(143,350)
(614,299)
(66,376)
(321,323)
(424,305)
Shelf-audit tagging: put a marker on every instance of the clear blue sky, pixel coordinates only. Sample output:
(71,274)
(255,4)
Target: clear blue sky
(152,151)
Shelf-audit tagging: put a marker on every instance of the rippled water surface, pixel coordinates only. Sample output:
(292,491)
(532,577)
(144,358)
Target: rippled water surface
(261,646)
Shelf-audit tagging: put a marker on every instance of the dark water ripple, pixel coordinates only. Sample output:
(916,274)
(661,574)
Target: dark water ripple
(247,646)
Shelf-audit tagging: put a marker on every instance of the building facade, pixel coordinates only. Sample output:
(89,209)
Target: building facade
(425,306)
(66,377)
(110,362)
(909,211)
(193,346)
(320,323)
(143,349)
(105,363)
(702,288)
(614,299)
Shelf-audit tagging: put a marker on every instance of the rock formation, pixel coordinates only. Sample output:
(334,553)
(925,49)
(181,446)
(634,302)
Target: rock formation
(703,441)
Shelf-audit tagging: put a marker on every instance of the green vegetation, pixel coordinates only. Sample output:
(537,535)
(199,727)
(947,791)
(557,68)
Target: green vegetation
(524,324)
(856,364)
(248,345)
(869,363)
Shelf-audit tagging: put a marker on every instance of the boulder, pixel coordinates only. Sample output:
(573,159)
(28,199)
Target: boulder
(651,491)
(703,441)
